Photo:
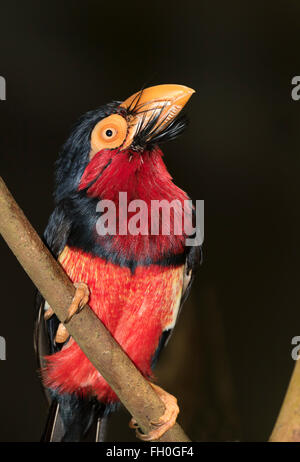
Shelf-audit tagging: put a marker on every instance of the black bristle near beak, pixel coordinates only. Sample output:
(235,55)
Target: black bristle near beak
(151,131)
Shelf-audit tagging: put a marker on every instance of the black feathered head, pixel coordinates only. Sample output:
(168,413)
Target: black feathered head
(151,116)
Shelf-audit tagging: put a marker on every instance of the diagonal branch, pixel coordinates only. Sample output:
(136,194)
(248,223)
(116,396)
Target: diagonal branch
(87,330)
(287,426)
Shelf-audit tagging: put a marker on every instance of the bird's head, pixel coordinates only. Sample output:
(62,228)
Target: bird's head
(117,133)
(146,118)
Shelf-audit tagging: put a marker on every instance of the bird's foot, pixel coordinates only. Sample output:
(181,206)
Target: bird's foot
(80,299)
(165,422)
(48,313)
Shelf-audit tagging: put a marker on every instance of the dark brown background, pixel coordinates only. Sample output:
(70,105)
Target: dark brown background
(229,359)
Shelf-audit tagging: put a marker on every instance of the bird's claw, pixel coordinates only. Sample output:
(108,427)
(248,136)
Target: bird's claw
(133,424)
(61,334)
(165,422)
(48,313)
(80,299)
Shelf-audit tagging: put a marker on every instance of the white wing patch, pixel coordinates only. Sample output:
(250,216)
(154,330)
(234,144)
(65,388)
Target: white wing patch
(177,290)
(177,295)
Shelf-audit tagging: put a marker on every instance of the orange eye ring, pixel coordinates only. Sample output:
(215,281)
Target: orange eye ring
(109,133)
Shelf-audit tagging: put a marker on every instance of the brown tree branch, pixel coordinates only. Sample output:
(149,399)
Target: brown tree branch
(287,426)
(87,330)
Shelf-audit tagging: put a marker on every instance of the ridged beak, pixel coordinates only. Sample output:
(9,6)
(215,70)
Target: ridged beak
(155,108)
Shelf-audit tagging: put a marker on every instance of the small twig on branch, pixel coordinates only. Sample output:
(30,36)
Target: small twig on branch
(87,330)
(287,426)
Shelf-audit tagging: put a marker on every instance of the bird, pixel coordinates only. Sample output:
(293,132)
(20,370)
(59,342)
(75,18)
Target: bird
(135,280)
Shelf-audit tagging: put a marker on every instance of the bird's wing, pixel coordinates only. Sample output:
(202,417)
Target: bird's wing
(192,262)
(55,237)
(58,230)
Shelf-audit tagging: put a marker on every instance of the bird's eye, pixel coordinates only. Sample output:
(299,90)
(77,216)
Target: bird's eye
(109,133)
